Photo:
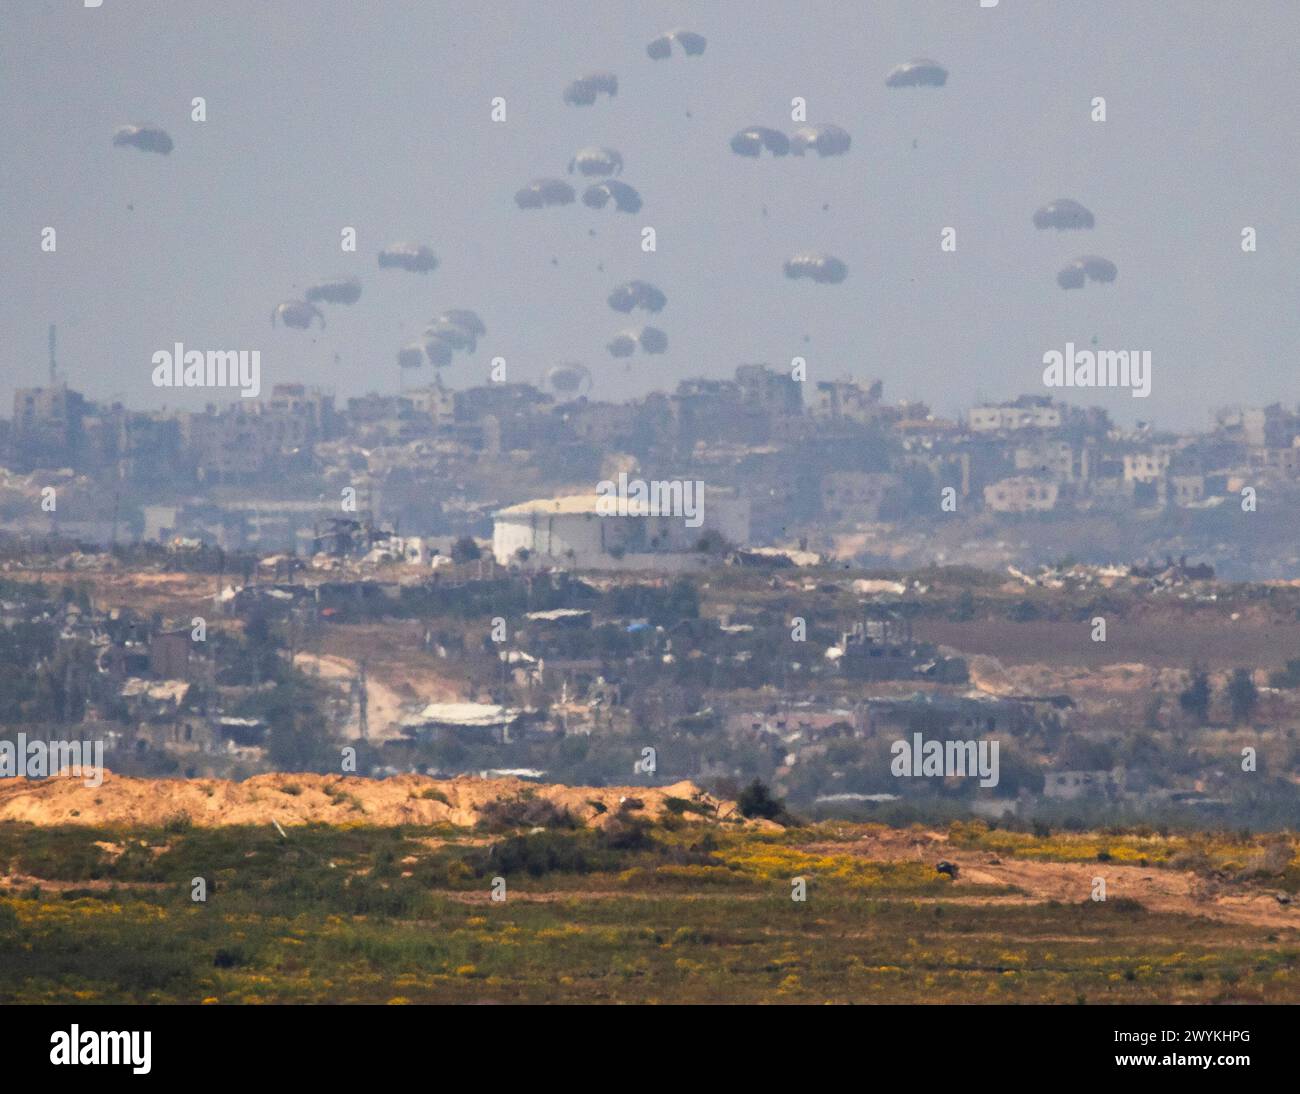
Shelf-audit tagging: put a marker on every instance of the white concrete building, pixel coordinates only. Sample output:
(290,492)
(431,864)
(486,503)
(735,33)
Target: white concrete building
(578,531)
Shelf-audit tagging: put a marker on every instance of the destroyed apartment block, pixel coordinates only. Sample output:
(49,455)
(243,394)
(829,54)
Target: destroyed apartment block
(349,537)
(470,722)
(884,649)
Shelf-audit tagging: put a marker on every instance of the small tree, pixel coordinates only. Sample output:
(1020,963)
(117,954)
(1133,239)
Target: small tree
(756,800)
(1196,699)
(713,542)
(1243,696)
(465,550)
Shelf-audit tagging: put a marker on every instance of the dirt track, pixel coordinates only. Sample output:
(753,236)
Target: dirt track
(1156,889)
(384,705)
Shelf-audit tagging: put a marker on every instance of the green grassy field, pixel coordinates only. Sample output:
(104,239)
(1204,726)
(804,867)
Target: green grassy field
(675,913)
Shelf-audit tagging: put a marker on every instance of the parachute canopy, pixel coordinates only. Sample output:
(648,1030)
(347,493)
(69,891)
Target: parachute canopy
(345,290)
(653,340)
(650,339)
(622,344)
(438,350)
(920,72)
(297,314)
(599,194)
(691,44)
(1087,267)
(637,294)
(147,138)
(825,140)
(412,257)
(463,317)
(583,90)
(752,141)
(596,161)
(569,378)
(455,330)
(1063,213)
(459,328)
(541,193)
(822,268)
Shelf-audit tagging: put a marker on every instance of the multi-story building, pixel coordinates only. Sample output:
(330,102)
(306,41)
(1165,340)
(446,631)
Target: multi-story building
(847,400)
(1147,465)
(1027,412)
(769,389)
(1021,494)
(855,495)
(1057,459)
(47,427)
(248,438)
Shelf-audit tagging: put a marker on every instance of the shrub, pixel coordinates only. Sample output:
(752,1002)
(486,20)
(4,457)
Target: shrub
(535,854)
(229,958)
(1243,697)
(679,806)
(524,812)
(626,834)
(1196,699)
(756,800)
(465,550)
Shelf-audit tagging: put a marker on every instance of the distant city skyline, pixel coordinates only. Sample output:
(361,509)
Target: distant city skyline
(377,117)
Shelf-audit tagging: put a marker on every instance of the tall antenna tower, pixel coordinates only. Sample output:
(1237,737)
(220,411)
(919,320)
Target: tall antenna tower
(54,369)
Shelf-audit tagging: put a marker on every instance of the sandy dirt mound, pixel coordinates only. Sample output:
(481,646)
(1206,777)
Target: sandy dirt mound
(1180,892)
(325,799)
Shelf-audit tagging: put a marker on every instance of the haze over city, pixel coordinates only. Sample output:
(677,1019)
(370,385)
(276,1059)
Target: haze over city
(324,115)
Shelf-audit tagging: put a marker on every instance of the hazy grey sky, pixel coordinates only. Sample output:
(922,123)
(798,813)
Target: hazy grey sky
(376,115)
